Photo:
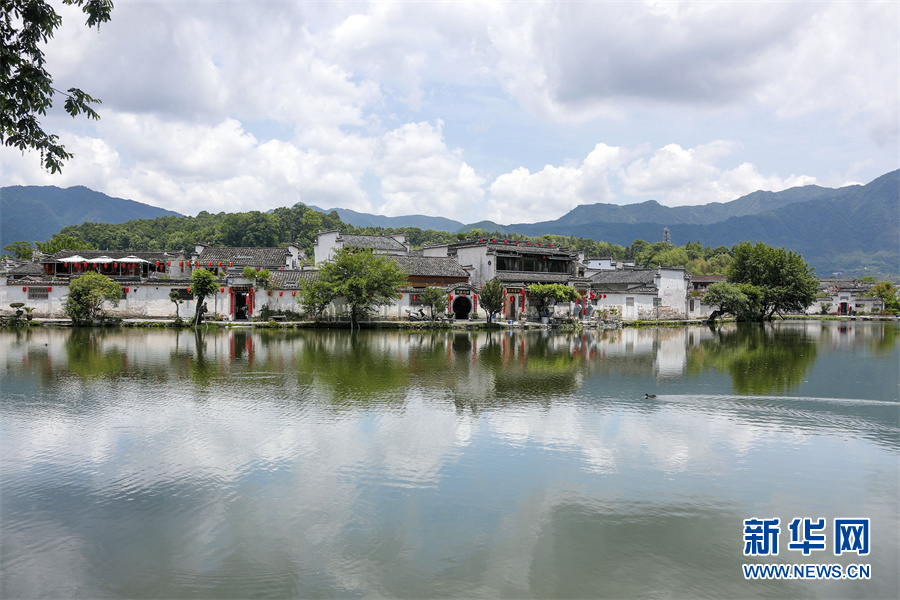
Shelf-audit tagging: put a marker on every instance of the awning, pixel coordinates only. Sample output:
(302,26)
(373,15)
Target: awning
(100,259)
(76,258)
(132,259)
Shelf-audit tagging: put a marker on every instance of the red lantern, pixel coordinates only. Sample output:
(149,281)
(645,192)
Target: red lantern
(115,265)
(126,290)
(270,293)
(512,298)
(220,264)
(400,294)
(414,298)
(258,268)
(294,293)
(181,263)
(604,295)
(157,264)
(281,293)
(209,263)
(49,289)
(222,290)
(230,264)
(24,289)
(189,290)
(169,263)
(539,244)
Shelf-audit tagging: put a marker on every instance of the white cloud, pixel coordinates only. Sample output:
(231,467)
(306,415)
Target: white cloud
(677,176)
(241,106)
(521,196)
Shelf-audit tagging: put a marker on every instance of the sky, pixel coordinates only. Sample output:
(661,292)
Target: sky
(508,111)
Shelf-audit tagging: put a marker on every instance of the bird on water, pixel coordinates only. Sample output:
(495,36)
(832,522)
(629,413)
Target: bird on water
(647,396)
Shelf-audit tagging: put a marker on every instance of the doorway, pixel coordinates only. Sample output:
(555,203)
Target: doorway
(461,307)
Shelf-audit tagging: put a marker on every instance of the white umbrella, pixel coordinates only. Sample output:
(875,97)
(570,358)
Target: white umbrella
(101,259)
(74,258)
(132,259)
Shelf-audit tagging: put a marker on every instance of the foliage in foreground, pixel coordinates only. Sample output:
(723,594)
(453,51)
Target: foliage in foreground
(364,280)
(491,297)
(762,281)
(87,294)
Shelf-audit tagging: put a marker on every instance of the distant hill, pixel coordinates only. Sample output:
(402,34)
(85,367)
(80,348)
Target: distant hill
(854,229)
(358,219)
(35,213)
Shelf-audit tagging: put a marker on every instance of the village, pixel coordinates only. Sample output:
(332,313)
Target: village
(609,291)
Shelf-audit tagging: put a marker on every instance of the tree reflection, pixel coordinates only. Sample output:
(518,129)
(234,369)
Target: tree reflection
(760,358)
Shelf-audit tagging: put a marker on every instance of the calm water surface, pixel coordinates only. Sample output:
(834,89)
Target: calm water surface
(160,464)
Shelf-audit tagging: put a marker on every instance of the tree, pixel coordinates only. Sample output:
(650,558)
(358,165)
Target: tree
(203,284)
(62,241)
(315,296)
(545,293)
(364,279)
(20,250)
(435,298)
(728,297)
(27,90)
(492,298)
(783,280)
(174,297)
(87,295)
(888,294)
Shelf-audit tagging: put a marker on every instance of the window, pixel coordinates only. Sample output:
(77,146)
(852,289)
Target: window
(185,295)
(629,302)
(37,293)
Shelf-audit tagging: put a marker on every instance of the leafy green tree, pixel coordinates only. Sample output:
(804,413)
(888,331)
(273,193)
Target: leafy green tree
(61,241)
(435,298)
(783,279)
(174,297)
(20,250)
(315,296)
(888,294)
(27,90)
(542,294)
(364,279)
(203,284)
(491,297)
(87,295)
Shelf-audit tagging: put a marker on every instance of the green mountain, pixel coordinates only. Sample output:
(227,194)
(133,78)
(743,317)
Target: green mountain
(358,219)
(35,213)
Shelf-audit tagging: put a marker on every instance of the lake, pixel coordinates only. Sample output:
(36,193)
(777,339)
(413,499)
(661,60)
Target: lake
(263,463)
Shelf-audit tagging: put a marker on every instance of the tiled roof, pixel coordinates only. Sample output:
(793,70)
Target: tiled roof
(26,268)
(265,257)
(431,266)
(633,276)
(707,278)
(116,254)
(522,248)
(374,242)
(534,277)
(290,280)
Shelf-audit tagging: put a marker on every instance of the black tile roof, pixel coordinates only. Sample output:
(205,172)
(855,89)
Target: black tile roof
(535,277)
(373,242)
(632,276)
(431,266)
(290,280)
(263,257)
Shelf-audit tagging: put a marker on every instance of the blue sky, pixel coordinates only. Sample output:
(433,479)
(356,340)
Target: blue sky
(509,111)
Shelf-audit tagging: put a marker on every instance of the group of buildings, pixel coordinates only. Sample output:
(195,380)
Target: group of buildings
(605,286)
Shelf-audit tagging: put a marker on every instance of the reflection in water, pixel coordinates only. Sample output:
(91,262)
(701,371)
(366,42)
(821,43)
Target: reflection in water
(515,464)
(761,359)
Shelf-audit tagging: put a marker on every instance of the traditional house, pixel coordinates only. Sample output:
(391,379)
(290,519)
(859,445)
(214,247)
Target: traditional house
(516,264)
(331,242)
(845,296)
(646,294)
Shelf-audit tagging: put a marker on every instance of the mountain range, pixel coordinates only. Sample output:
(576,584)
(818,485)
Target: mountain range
(35,213)
(853,229)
